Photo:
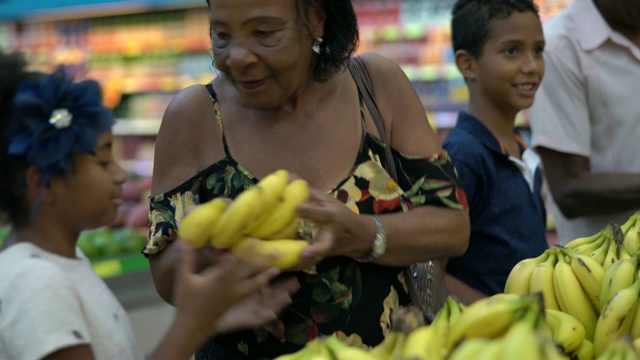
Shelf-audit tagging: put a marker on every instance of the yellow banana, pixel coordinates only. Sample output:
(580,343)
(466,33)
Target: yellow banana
(589,248)
(284,212)
(631,242)
(385,348)
(518,281)
(621,275)
(424,342)
(567,332)
(273,185)
(620,348)
(611,256)
(401,339)
(572,298)
(635,326)
(522,335)
(196,226)
(590,274)
(488,317)
(238,216)
(616,316)
(342,351)
(282,254)
(311,348)
(492,351)
(542,281)
(584,351)
(581,241)
(290,231)
(469,349)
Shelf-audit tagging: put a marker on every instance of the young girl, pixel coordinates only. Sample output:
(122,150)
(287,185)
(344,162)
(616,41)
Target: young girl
(59,178)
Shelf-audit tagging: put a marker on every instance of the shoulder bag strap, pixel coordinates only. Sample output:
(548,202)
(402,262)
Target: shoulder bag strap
(359,73)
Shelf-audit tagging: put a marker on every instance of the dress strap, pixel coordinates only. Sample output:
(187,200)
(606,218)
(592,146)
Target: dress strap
(364,126)
(216,109)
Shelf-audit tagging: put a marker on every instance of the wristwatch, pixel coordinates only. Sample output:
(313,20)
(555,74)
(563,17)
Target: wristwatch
(379,245)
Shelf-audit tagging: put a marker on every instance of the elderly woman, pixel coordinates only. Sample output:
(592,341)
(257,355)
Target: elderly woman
(284,99)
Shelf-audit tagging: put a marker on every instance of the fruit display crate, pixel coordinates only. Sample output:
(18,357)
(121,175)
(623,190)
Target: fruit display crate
(109,267)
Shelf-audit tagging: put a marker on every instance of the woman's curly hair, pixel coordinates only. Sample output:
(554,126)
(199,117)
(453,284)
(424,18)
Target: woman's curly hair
(341,35)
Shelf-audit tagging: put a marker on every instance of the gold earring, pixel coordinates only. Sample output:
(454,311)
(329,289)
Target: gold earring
(316,45)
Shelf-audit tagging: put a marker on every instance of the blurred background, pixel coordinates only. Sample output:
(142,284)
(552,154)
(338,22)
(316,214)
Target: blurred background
(143,52)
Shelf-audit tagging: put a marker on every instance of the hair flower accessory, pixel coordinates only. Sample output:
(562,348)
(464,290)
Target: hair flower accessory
(56,118)
(60,118)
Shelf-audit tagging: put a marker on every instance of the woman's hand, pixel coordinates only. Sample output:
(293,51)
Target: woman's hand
(340,231)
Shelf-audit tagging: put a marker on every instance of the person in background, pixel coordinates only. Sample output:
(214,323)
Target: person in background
(586,117)
(498,47)
(59,178)
(284,99)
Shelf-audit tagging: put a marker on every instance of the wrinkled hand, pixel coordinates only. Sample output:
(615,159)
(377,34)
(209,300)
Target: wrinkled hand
(202,298)
(340,230)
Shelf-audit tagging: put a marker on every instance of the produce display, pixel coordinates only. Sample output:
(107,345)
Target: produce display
(577,302)
(261,224)
(110,242)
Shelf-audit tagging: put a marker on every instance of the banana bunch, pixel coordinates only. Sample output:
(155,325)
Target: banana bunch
(524,339)
(605,247)
(489,317)
(328,348)
(617,317)
(261,224)
(621,348)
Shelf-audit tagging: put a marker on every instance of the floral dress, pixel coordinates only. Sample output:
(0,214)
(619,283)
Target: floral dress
(339,295)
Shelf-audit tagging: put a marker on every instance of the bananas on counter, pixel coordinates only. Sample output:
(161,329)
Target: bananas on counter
(578,302)
(261,224)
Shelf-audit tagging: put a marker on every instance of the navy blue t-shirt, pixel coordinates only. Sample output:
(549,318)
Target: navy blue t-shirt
(507,214)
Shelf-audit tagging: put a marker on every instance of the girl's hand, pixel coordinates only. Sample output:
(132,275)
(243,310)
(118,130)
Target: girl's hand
(203,298)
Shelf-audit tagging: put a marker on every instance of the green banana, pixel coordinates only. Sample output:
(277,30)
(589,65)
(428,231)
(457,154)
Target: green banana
(522,335)
(616,316)
(385,348)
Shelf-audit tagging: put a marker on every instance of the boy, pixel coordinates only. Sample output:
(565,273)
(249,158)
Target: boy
(498,48)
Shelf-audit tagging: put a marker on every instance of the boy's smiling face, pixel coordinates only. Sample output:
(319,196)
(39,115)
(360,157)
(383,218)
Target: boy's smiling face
(509,70)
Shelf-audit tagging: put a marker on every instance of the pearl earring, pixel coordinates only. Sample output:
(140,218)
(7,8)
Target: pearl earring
(316,45)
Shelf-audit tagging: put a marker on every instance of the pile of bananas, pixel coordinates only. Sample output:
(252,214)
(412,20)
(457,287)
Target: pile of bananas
(594,280)
(260,225)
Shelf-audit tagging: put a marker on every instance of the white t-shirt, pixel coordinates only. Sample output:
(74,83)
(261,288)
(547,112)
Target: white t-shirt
(49,302)
(588,102)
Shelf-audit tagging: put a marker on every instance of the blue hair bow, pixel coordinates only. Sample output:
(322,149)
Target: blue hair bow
(56,118)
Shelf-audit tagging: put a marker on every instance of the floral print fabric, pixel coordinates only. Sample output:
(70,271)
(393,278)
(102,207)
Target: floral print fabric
(339,295)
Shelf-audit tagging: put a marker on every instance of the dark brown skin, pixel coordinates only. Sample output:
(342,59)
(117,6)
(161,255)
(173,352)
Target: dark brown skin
(311,129)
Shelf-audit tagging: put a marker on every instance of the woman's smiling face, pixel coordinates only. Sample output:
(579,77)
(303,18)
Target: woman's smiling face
(263,47)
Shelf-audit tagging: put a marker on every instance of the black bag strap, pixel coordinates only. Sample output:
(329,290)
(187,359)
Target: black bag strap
(361,77)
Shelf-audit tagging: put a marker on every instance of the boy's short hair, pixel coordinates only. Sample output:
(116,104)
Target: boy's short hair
(471,19)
